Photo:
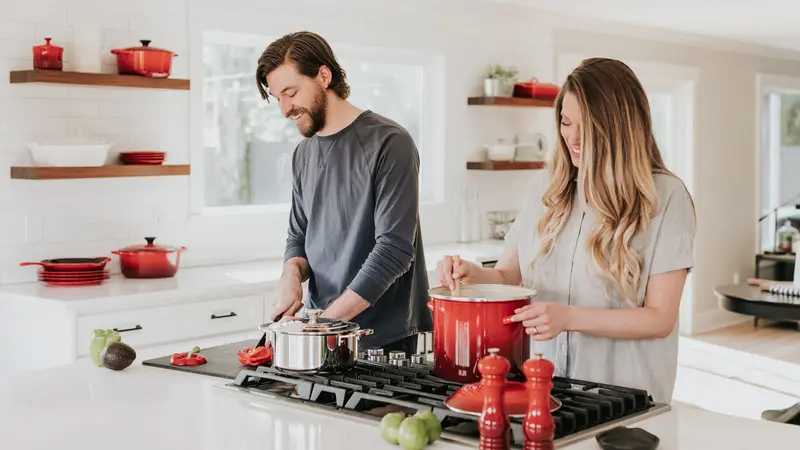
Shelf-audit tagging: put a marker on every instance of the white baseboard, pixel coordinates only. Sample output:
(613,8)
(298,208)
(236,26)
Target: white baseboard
(716,319)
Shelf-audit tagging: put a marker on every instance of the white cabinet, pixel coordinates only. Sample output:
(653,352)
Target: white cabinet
(157,328)
(148,327)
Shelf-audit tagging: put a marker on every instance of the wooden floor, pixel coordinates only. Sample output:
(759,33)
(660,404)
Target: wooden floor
(773,340)
(740,370)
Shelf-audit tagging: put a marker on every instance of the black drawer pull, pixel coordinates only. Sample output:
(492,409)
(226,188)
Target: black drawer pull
(136,328)
(214,316)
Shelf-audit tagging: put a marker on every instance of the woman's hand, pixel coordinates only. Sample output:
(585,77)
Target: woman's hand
(543,320)
(451,269)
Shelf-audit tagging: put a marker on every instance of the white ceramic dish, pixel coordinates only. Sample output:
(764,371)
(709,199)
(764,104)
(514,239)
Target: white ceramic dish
(69,155)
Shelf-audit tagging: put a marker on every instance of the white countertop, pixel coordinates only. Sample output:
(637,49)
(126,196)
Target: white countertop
(82,407)
(196,282)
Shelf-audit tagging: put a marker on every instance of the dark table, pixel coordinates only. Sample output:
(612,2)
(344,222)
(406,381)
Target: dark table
(750,300)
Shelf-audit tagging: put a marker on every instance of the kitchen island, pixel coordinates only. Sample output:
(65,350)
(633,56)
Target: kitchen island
(84,407)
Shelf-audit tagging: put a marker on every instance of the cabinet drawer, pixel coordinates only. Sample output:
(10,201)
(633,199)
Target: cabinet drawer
(152,326)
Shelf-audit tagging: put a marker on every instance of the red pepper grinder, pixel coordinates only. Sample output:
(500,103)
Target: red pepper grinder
(538,426)
(493,424)
(47,56)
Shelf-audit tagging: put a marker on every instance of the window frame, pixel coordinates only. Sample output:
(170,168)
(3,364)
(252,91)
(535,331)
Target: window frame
(431,137)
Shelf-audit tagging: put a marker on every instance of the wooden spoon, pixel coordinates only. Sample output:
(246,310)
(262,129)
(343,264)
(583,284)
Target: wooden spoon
(456,282)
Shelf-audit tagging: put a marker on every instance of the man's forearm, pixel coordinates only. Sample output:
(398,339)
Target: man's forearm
(296,267)
(346,307)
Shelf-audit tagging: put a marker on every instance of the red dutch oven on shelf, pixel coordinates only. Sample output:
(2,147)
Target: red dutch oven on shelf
(534,89)
(470,322)
(150,260)
(145,60)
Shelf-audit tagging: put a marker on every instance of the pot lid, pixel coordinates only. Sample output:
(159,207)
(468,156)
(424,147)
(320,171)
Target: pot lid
(313,325)
(150,247)
(146,47)
(483,293)
(468,399)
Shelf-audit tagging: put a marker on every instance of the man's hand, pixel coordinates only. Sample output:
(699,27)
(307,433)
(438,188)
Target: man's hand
(290,291)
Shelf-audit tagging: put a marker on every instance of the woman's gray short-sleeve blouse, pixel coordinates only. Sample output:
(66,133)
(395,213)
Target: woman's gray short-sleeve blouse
(566,276)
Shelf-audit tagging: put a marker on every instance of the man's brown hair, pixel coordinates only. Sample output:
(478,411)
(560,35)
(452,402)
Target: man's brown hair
(308,52)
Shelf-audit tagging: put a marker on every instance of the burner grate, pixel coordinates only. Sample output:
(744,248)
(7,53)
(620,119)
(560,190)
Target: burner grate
(374,389)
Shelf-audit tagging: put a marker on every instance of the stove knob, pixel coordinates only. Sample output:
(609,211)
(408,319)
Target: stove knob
(401,362)
(382,358)
(374,351)
(419,359)
(396,354)
(362,355)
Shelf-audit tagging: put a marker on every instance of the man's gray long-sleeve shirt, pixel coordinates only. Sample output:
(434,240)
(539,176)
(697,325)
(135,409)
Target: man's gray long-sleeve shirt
(355,218)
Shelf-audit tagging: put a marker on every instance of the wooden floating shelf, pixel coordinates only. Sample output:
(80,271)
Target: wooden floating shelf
(115,171)
(96,79)
(510,101)
(505,165)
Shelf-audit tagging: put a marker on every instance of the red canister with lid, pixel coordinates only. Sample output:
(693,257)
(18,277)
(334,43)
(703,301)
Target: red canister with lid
(48,56)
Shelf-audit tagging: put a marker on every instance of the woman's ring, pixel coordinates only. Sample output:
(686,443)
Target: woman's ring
(535,331)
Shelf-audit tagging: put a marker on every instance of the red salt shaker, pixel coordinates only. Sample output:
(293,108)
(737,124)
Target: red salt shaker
(493,424)
(538,426)
(48,56)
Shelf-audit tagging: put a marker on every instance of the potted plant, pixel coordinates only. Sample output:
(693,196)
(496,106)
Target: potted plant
(499,81)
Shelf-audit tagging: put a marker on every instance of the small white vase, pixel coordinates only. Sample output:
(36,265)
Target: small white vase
(493,87)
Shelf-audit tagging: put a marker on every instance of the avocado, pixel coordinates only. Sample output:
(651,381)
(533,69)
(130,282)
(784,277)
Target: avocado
(117,356)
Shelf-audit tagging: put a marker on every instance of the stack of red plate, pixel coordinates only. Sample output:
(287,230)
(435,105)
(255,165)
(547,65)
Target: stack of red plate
(84,278)
(149,158)
(72,271)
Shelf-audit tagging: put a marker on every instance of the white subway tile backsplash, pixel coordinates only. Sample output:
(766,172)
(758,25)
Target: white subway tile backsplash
(39,11)
(61,35)
(33,228)
(53,107)
(91,16)
(13,49)
(19,31)
(97,126)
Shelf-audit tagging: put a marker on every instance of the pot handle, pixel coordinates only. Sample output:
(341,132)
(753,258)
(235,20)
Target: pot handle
(430,305)
(365,332)
(32,263)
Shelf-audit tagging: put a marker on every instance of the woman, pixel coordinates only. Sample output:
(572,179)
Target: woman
(606,239)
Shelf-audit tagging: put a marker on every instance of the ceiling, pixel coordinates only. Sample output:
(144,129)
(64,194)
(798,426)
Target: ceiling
(774,23)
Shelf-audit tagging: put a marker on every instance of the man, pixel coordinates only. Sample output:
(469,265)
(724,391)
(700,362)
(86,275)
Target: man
(354,230)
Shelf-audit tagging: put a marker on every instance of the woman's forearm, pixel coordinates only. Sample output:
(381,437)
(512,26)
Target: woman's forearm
(624,323)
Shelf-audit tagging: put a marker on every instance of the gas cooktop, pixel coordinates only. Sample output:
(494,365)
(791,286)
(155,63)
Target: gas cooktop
(375,388)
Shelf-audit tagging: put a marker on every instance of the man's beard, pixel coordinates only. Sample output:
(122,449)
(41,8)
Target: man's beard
(316,115)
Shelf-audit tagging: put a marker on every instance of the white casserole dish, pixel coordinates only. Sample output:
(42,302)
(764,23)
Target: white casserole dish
(69,154)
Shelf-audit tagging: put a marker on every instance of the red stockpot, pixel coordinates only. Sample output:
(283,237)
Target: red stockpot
(149,261)
(467,325)
(145,60)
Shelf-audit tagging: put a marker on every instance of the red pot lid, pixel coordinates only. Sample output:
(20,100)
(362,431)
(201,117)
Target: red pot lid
(144,47)
(484,293)
(150,247)
(469,398)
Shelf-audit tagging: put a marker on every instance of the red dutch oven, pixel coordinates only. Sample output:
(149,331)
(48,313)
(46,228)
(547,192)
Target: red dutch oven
(145,60)
(150,260)
(469,322)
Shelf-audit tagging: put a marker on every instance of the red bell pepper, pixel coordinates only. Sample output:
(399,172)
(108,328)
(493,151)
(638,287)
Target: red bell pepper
(192,358)
(254,356)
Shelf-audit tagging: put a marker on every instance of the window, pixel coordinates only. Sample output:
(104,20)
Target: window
(780,161)
(248,143)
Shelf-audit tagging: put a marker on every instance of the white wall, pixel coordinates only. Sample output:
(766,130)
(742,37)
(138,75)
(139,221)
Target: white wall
(91,217)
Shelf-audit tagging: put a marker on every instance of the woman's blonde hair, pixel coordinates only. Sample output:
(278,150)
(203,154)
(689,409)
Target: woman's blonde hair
(619,157)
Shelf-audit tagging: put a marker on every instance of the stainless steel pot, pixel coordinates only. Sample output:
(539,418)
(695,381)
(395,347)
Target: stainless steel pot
(314,345)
